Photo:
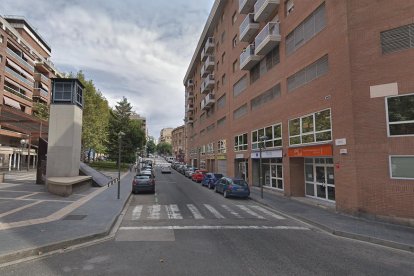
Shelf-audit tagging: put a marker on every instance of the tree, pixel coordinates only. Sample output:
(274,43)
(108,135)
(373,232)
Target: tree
(151,147)
(41,111)
(164,148)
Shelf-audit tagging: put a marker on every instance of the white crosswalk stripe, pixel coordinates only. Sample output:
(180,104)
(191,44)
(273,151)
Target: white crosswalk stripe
(267,212)
(250,212)
(214,211)
(154,211)
(136,213)
(196,213)
(231,211)
(173,212)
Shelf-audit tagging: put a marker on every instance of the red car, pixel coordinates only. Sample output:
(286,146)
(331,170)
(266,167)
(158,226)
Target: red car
(198,175)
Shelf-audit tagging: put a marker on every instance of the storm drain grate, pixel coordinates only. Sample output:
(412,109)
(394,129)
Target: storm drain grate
(74,217)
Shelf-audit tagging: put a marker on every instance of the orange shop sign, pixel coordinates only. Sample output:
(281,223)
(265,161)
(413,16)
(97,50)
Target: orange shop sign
(323,150)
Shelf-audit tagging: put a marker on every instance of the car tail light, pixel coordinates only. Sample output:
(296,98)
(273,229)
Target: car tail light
(229,187)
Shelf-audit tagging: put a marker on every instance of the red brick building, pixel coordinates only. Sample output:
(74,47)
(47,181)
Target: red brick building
(325,88)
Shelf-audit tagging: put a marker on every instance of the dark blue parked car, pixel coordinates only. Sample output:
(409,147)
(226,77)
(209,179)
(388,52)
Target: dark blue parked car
(210,178)
(232,187)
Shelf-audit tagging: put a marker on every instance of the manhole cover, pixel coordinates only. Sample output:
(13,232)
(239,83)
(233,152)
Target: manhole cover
(74,217)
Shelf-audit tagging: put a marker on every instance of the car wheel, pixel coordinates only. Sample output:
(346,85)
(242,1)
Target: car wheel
(225,194)
(215,189)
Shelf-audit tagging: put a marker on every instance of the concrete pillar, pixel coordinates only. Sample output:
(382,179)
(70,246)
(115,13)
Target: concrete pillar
(34,161)
(10,161)
(18,161)
(14,160)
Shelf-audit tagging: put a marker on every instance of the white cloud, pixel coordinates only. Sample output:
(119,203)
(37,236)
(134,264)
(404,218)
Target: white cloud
(137,49)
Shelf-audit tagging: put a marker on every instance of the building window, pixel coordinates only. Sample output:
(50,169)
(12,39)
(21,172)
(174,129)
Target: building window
(397,39)
(210,127)
(223,37)
(400,115)
(308,74)
(63,92)
(79,95)
(240,112)
(267,63)
(312,128)
(289,6)
(221,146)
(273,134)
(221,121)
(202,117)
(235,65)
(235,41)
(1,38)
(223,57)
(240,142)
(217,65)
(221,102)
(401,167)
(265,97)
(310,27)
(234,18)
(223,79)
(240,86)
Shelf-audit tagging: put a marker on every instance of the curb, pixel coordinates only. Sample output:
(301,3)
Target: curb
(344,234)
(61,245)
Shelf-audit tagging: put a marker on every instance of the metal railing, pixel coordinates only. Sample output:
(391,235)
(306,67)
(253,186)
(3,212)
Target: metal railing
(22,61)
(248,52)
(42,92)
(17,93)
(249,19)
(271,28)
(10,71)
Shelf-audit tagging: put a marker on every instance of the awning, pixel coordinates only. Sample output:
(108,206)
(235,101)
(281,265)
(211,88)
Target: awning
(18,68)
(28,58)
(11,102)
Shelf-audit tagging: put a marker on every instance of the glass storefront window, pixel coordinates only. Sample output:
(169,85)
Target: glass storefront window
(294,127)
(307,124)
(402,167)
(273,134)
(323,120)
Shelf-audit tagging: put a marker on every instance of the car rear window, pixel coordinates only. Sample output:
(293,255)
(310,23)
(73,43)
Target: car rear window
(218,175)
(240,182)
(142,177)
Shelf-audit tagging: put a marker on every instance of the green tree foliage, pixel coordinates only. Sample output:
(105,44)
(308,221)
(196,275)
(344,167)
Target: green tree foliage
(151,147)
(133,138)
(95,117)
(41,111)
(164,148)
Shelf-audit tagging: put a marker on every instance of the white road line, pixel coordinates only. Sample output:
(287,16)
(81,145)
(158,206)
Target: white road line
(194,211)
(214,211)
(231,211)
(173,212)
(250,212)
(213,227)
(20,208)
(267,212)
(136,213)
(29,195)
(154,211)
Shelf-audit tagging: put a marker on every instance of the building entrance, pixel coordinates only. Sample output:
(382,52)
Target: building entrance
(319,178)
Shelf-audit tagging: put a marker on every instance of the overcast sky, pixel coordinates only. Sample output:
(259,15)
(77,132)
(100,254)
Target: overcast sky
(133,48)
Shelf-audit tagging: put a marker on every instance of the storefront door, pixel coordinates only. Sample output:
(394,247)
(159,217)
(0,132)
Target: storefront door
(319,177)
(243,169)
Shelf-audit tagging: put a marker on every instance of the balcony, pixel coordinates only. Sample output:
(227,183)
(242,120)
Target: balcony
(208,66)
(209,46)
(21,60)
(263,9)
(41,77)
(190,95)
(267,39)
(189,120)
(19,77)
(248,28)
(17,93)
(208,102)
(207,84)
(189,107)
(40,92)
(245,6)
(248,58)
(190,83)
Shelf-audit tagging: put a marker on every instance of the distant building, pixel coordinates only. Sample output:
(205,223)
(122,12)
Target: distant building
(178,143)
(26,72)
(165,135)
(143,120)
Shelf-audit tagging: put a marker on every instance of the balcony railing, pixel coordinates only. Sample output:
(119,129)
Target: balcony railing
(208,83)
(10,71)
(248,28)
(17,93)
(245,6)
(209,46)
(263,9)
(267,39)
(208,101)
(22,61)
(42,92)
(248,58)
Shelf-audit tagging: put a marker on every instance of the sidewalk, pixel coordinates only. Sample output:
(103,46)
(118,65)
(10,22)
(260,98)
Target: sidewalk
(49,222)
(386,234)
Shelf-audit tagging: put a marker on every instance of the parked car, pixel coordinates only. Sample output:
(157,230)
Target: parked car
(232,187)
(147,172)
(198,175)
(210,179)
(189,171)
(166,169)
(143,183)
(181,168)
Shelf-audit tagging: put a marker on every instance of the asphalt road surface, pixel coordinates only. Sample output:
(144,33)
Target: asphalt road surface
(186,229)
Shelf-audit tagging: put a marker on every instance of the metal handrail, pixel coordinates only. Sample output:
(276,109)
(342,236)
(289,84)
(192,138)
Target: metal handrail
(25,63)
(271,28)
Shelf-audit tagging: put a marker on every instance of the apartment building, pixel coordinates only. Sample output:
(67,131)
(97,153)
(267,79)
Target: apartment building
(165,135)
(143,120)
(322,90)
(178,143)
(25,82)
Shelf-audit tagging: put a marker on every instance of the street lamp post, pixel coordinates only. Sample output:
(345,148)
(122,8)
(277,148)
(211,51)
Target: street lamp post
(23,145)
(261,146)
(120,134)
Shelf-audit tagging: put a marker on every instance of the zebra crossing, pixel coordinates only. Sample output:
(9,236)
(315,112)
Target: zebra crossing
(203,211)
(20,176)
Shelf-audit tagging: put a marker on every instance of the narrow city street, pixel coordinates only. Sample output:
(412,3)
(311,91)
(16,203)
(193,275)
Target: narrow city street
(187,229)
